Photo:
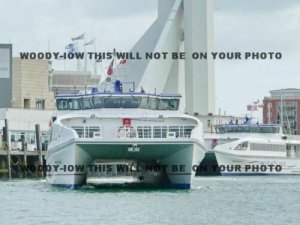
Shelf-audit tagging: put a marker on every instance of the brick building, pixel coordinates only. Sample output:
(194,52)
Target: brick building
(282,107)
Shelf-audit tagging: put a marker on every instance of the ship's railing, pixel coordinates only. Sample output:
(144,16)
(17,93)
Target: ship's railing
(146,132)
(141,132)
(245,128)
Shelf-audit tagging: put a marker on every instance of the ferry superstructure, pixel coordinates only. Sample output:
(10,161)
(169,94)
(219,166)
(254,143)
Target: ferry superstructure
(256,156)
(225,133)
(145,128)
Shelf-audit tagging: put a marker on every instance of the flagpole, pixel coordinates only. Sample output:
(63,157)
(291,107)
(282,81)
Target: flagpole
(281,110)
(48,45)
(95,61)
(85,59)
(78,62)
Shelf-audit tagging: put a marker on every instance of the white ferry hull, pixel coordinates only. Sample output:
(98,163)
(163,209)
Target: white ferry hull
(234,164)
(178,156)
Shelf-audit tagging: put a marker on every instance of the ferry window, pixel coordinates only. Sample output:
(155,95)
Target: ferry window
(153,103)
(164,131)
(188,131)
(79,130)
(130,102)
(144,103)
(156,132)
(112,102)
(89,131)
(163,104)
(73,104)
(242,146)
(247,129)
(181,131)
(98,103)
(288,150)
(168,104)
(173,104)
(267,147)
(160,132)
(174,129)
(62,104)
(220,130)
(86,103)
(144,132)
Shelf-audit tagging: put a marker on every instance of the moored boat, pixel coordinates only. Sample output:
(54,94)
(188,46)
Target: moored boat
(145,128)
(259,156)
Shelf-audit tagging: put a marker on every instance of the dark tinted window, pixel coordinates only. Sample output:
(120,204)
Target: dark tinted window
(144,103)
(98,102)
(112,102)
(86,103)
(130,102)
(62,104)
(153,102)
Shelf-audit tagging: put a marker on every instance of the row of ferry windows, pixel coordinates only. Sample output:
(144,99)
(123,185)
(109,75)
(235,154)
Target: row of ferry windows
(246,129)
(163,132)
(260,146)
(117,102)
(140,131)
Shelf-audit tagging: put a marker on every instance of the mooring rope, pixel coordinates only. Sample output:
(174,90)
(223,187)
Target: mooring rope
(10,157)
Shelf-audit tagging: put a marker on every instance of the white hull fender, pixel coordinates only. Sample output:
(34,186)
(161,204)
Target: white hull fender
(233,164)
(178,157)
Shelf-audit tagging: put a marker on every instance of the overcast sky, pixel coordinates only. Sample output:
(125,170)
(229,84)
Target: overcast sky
(248,25)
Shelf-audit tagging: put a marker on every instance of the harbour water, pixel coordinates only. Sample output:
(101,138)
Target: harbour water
(212,200)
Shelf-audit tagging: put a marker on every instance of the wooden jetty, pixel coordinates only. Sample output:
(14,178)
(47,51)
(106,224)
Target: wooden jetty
(21,163)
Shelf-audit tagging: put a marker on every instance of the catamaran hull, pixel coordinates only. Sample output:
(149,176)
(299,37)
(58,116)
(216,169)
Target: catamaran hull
(232,164)
(71,161)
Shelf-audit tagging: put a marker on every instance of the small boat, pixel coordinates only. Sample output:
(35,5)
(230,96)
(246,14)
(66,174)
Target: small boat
(259,156)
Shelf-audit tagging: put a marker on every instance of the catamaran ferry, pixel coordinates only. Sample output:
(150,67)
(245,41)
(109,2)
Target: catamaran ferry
(144,128)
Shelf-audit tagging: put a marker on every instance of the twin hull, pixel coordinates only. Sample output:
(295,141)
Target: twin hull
(176,156)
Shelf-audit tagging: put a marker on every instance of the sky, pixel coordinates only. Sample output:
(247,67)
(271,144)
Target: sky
(239,26)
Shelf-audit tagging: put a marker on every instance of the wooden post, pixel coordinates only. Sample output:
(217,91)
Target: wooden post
(5,135)
(9,164)
(6,143)
(25,164)
(38,146)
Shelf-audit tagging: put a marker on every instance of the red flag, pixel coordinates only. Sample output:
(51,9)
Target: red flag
(110,68)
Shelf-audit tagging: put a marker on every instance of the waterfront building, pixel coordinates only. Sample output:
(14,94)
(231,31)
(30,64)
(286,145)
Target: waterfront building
(30,84)
(282,107)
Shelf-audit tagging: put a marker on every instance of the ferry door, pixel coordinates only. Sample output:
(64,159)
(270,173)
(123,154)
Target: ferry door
(288,150)
(294,150)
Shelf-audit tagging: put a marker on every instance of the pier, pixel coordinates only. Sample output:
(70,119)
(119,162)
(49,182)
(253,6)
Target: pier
(21,162)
